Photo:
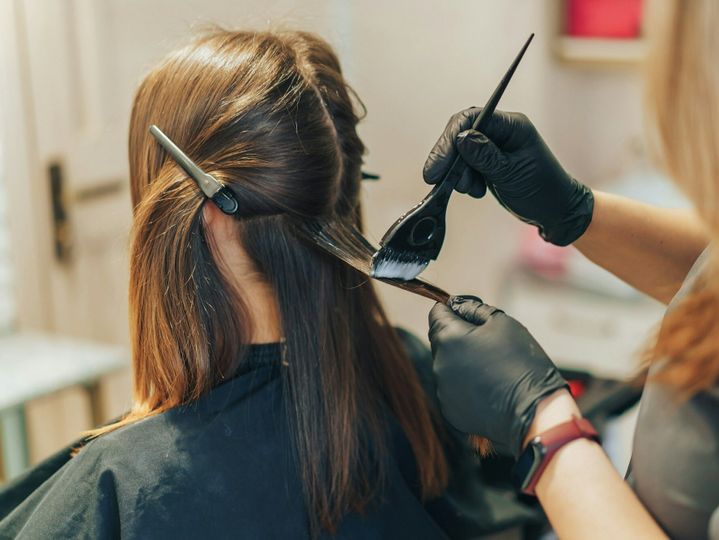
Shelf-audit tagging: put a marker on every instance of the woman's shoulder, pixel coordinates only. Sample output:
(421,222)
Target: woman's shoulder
(170,472)
(217,429)
(64,495)
(129,446)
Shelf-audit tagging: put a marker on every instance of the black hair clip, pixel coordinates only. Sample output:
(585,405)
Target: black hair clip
(370,176)
(213,189)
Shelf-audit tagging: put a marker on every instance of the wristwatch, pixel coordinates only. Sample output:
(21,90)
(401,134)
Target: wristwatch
(541,449)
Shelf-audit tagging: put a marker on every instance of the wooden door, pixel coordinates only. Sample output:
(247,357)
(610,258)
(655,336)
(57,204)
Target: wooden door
(75,66)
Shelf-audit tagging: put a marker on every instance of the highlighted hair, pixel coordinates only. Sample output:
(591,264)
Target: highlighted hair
(270,116)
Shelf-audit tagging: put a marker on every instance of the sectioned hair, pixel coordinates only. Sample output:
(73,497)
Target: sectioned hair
(269,115)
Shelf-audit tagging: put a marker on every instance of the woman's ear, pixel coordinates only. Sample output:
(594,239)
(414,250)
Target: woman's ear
(218,224)
(223,236)
(209,213)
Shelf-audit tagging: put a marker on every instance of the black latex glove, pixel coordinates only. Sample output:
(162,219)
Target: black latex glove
(511,159)
(490,372)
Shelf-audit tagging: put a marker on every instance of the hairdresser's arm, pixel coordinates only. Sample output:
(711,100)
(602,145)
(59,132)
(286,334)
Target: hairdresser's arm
(650,248)
(493,379)
(580,491)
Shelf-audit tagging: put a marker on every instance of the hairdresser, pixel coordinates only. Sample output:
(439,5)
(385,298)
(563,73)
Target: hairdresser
(494,379)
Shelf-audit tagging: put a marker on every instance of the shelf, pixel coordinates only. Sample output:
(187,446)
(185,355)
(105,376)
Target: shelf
(599,51)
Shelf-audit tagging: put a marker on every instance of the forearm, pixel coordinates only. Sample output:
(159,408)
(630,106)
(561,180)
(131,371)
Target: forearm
(580,491)
(650,248)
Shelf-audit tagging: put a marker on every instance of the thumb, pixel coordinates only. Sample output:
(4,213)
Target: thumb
(472,309)
(481,154)
(443,321)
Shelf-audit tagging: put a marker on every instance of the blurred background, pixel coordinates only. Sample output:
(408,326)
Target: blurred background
(68,70)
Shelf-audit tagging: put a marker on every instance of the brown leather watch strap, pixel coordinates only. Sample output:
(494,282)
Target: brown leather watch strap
(555,438)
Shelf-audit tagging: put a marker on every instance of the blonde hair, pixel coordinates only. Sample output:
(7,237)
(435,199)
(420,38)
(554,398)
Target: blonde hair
(682,97)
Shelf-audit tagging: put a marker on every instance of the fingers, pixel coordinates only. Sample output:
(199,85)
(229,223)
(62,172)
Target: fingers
(443,153)
(462,316)
(482,154)
(508,130)
(472,309)
(471,183)
(479,187)
(443,321)
(485,152)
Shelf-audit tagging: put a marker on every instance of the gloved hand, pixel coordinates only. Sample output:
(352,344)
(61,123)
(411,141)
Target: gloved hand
(490,372)
(511,159)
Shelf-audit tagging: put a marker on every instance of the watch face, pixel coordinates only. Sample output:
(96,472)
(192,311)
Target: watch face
(527,464)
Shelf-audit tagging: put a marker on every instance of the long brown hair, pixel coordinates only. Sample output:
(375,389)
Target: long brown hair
(683,105)
(270,115)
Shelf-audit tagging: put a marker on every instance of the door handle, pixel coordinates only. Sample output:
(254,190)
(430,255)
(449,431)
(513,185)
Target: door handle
(61,228)
(61,199)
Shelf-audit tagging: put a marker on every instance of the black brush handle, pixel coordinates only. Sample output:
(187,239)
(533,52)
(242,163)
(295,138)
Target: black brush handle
(448,183)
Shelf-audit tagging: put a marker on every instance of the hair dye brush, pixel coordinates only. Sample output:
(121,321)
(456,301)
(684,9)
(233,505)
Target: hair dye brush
(417,236)
(344,241)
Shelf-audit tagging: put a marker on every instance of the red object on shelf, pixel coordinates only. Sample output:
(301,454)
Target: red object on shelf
(604,18)
(576,388)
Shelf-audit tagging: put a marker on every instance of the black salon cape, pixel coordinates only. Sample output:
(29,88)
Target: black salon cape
(221,468)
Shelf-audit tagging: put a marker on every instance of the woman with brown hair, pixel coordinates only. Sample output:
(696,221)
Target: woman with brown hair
(272,397)
(494,379)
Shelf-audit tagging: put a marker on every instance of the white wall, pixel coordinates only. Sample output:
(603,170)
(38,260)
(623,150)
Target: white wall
(415,63)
